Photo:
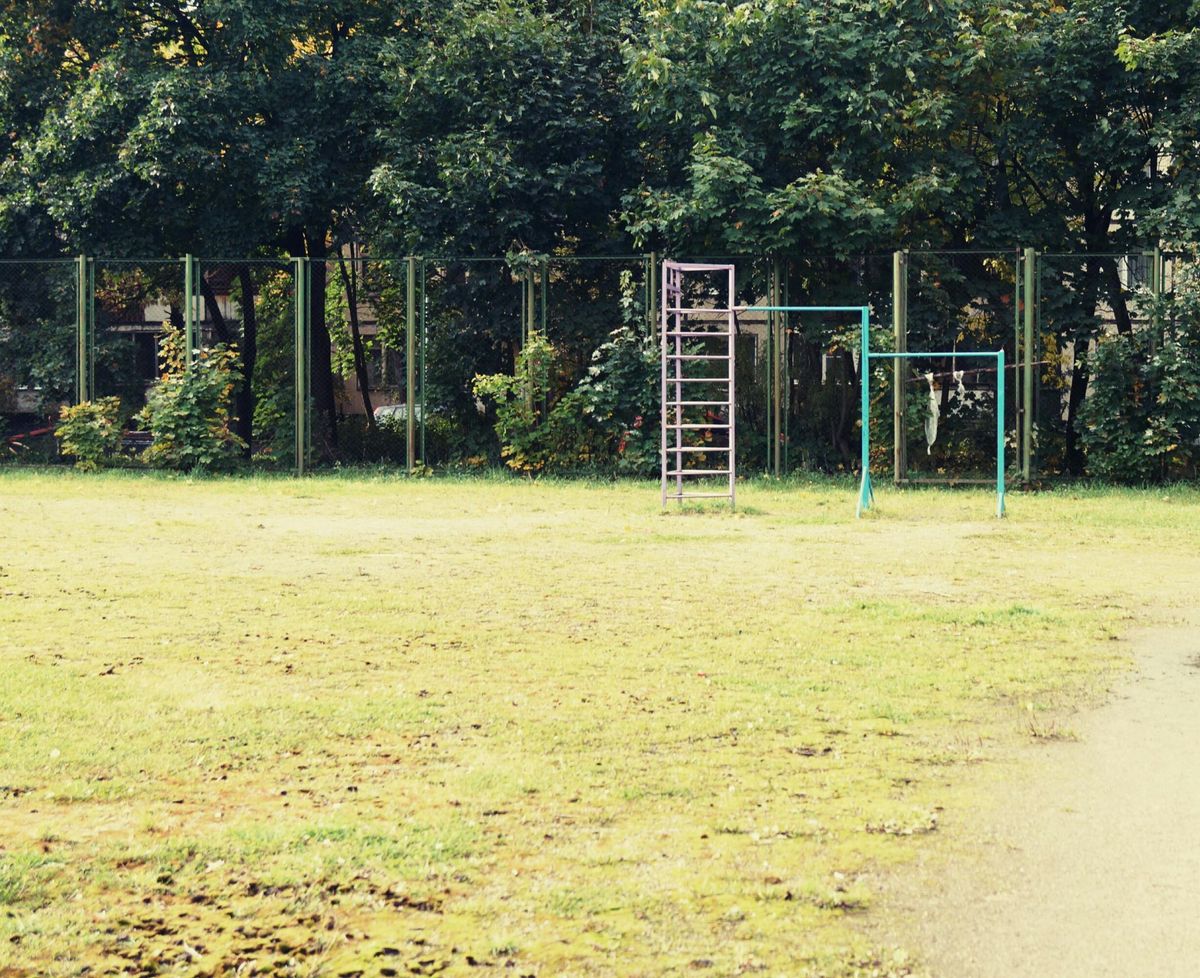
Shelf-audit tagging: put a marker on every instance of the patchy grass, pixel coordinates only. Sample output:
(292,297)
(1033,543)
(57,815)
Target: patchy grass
(370,726)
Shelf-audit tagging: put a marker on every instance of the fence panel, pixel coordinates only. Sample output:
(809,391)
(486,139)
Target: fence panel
(38,355)
(134,303)
(819,377)
(960,302)
(1080,298)
(471,323)
(248,305)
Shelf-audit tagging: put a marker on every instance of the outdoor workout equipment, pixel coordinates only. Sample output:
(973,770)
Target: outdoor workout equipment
(866,494)
(697,407)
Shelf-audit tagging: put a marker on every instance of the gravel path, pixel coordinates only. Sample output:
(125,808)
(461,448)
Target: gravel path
(1091,868)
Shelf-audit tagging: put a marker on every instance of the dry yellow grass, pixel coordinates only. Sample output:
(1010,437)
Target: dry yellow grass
(369,726)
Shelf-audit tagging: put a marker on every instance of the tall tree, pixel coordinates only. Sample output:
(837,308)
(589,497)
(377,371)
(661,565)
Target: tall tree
(508,128)
(236,127)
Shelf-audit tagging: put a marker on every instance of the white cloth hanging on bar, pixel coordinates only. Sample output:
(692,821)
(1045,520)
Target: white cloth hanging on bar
(931,420)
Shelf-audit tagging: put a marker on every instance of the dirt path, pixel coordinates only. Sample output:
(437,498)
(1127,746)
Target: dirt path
(1091,867)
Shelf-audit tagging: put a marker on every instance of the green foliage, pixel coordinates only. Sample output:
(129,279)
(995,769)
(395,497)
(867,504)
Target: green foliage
(189,410)
(619,399)
(37,333)
(508,125)
(1142,418)
(90,432)
(529,422)
(608,420)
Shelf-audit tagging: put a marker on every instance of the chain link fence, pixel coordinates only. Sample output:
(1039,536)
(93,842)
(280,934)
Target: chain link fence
(1081,298)
(39,362)
(958,302)
(388,336)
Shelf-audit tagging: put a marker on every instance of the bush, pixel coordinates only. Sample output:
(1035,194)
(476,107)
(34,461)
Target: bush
(188,411)
(1141,419)
(529,418)
(609,420)
(90,432)
(619,398)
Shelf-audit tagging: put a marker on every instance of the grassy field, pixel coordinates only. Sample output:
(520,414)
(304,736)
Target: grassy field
(368,726)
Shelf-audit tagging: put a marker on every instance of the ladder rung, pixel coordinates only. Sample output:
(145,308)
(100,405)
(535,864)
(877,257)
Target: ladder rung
(693,310)
(694,334)
(698,495)
(698,448)
(723,404)
(680,472)
(699,380)
(696,426)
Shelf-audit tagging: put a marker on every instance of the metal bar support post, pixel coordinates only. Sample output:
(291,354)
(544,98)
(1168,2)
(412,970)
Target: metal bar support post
(1000,433)
(866,495)
(651,291)
(423,338)
(899,387)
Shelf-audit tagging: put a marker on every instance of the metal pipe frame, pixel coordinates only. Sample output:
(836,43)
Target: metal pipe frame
(866,495)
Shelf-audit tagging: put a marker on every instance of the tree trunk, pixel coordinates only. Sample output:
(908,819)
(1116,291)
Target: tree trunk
(1116,297)
(321,346)
(1079,384)
(246,346)
(300,244)
(1076,460)
(220,326)
(350,283)
(245,398)
(851,393)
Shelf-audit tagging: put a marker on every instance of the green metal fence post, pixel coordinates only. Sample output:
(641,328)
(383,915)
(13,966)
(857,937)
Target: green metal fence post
(83,349)
(189,311)
(544,275)
(422,330)
(785,374)
(91,326)
(300,313)
(776,327)
(410,366)
(769,373)
(1000,433)
(652,293)
(1026,366)
(1018,358)
(899,384)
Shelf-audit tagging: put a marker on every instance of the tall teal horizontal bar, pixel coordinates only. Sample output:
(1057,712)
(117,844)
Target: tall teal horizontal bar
(802,308)
(933,353)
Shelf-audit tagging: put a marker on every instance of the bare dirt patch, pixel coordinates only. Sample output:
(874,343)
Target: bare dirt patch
(1089,867)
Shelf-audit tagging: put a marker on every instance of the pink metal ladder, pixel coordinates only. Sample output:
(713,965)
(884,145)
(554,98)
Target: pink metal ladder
(697,400)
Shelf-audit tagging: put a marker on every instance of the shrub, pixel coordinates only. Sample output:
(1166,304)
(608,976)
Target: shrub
(529,421)
(619,398)
(188,411)
(90,432)
(609,420)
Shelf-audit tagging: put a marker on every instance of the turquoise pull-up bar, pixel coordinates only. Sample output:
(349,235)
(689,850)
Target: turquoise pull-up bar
(866,494)
(800,308)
